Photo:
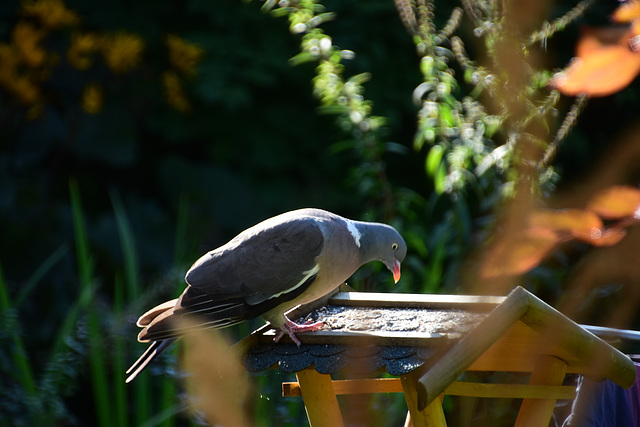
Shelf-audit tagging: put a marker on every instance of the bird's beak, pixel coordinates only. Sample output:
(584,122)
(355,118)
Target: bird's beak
(396,271)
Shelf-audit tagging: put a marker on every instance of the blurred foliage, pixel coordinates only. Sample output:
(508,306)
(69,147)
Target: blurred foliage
(136,136)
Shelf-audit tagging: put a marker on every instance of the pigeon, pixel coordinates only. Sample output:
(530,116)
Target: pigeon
(294,258)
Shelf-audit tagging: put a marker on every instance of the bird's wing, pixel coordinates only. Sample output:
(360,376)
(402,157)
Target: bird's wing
(262,263)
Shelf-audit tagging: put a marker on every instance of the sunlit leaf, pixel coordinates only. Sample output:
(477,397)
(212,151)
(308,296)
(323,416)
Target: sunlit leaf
(627,12)
(593,39)
(445,115)
(518,254)
(616,202)
(601,68)
(440,178)
(434,158)
(606,237)
(575,222)
(301,58)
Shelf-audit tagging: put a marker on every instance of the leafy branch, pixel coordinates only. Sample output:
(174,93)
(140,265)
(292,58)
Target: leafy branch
(342,96)
(470,145)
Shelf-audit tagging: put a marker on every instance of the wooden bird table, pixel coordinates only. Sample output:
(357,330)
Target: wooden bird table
(426,342)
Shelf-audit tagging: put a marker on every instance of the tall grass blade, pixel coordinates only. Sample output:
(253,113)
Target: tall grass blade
(69,323)
(40,273)
(168,399)
(23,372)
(127,243)
(119,358)
(85,275)
(83,256)
(169,412)
(97,362)
(142,385)
(85,269)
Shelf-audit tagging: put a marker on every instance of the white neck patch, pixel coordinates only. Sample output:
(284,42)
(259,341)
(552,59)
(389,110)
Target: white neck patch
(355,233)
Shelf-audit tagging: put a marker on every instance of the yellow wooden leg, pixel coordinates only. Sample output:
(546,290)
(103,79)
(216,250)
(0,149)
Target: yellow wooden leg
(432,415)
(320,400)
(549,370)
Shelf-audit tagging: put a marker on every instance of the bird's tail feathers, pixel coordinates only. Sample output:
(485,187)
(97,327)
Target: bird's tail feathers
(150,315)
(192,311)
(153,351)
(184,325)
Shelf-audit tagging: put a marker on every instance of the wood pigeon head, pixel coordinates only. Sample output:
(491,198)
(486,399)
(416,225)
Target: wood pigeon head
(381,242)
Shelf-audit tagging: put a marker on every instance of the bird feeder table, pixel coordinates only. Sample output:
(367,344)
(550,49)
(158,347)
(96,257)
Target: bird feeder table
(426,342)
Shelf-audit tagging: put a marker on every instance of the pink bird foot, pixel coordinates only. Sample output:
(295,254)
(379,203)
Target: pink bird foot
(290,328)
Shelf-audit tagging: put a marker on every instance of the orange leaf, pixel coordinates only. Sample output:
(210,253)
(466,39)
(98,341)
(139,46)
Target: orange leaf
(635,29)
(595,38)
(574,221)
(602,67)
(627,12)
(608,237)
(616,202)
(519,254)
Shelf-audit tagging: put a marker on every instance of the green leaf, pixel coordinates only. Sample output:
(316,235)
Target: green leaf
(341,146)
(469,76)
(281,11)
(302,58)
(434,159)
(440,179)
(492,124)
(426,67)
(419,139)
(446,117)
(322,18)
(359,79)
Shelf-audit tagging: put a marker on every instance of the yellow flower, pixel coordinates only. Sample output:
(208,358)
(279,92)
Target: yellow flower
(92,99)
(184,56)
(122,51)
(51,13)
(80,50)
(9,59)
(174,92)
(24,90)
(26,38)
(21,86)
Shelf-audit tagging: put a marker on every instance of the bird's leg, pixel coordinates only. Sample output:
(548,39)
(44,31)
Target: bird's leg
(290,328)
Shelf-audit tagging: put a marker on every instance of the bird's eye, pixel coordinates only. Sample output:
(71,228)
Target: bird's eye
(394,246)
